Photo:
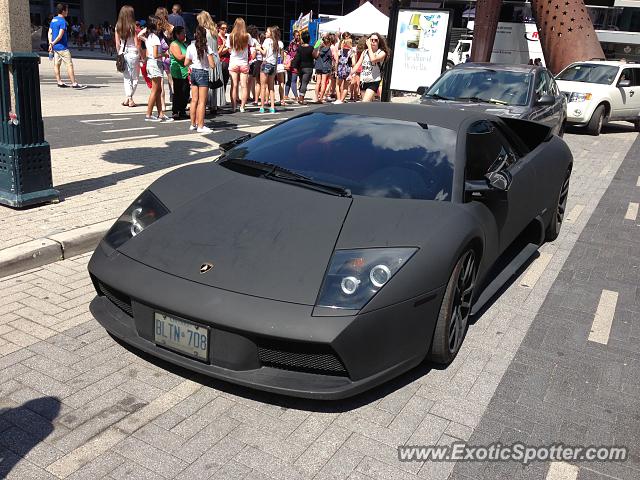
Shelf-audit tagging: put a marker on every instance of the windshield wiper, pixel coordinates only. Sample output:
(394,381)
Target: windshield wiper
(483,100)
(436,96)
(287,176)
(278,173)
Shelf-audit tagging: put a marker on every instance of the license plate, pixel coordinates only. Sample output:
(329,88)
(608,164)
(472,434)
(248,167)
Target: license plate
(185,337)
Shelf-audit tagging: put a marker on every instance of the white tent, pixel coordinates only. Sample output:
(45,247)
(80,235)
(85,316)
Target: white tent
(363,20)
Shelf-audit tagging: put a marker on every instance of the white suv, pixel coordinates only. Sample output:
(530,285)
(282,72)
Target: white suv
(600,91)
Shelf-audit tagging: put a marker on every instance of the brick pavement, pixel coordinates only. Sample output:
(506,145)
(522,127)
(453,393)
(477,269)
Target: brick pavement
(76,404)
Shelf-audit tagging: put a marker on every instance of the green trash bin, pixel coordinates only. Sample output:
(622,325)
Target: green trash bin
(25,157)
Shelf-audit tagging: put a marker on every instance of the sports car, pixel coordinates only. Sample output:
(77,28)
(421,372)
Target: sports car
(333,251)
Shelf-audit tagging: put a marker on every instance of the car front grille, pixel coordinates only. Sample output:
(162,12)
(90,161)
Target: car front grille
(326,363)
(119,299)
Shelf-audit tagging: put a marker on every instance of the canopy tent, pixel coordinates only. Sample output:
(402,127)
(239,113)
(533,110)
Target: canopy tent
(363,20)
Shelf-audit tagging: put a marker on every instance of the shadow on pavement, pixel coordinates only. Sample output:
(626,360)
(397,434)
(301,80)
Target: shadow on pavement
(30,424)
(150,159)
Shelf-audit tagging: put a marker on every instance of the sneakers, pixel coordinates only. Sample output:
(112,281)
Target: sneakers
(204,130)
(152,118)
(164,118)
(338,102)
(193,127)
(242,110)
(77,86)
(63,85)
(272,110)
(261,109)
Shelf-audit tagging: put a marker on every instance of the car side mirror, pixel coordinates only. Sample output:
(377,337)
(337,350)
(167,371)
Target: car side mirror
(422,90)
(546,100)
(234,143)
(624,83)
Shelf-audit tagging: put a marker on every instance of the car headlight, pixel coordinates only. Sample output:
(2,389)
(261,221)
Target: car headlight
(355,276)
(145,210)
(579,97)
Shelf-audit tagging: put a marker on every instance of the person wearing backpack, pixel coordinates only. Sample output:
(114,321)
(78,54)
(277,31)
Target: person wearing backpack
(372,61)
(345,61)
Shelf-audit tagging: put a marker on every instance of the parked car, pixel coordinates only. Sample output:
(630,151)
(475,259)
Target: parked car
(518,91)
(601,91)
(335,250)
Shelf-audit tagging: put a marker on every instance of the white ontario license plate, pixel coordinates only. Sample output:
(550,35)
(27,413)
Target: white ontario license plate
(185,337)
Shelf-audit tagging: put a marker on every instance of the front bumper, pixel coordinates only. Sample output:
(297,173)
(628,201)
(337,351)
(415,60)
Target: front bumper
(265,344)
(579,113)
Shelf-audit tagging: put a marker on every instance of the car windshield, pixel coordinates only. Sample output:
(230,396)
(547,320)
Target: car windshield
(483,84)
(589,73)
(370,156)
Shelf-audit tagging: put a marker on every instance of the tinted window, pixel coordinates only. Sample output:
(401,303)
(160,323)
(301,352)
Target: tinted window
(499,86)
(487,150)
(589,73)
(371,156)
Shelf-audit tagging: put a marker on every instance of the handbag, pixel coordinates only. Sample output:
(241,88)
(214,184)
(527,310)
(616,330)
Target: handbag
(214,79)
(121,63)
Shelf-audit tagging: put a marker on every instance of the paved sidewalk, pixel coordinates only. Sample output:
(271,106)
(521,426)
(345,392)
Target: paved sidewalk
(76,404)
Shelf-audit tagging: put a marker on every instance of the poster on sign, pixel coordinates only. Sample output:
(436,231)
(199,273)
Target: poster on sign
(420,49)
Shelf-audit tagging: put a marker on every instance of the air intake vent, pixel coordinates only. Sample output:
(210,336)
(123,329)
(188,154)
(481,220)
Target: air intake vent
(322,363)
(119,299)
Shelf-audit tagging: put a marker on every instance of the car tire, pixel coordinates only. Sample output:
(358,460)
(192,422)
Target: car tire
(450,65)
(636,125)
(594,127)
(553,230)
(454,312)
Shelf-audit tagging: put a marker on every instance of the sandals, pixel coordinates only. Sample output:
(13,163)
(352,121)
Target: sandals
(132,103)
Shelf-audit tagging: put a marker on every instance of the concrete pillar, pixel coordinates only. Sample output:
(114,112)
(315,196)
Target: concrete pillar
(566,32)
(484,29)
(15,26)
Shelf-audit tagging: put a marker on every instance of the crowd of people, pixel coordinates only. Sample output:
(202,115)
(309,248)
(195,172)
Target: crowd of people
(250,62)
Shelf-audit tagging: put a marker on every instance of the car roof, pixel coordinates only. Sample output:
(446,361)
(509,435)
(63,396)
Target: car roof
(612,63)
(446,117)
(505,67)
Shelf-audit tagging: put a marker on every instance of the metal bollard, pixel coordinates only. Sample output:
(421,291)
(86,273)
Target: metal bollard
(25,157)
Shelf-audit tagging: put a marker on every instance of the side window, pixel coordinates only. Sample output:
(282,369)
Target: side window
(542,85)
(487,150)
(635,78)
(627,74)
(551,85)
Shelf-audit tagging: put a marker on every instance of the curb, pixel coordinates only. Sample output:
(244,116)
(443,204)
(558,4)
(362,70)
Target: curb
(53,248)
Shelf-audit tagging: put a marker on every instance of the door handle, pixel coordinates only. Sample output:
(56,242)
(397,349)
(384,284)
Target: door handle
(631,93)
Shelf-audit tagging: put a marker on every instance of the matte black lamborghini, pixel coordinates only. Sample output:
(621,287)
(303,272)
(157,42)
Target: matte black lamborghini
(333,251)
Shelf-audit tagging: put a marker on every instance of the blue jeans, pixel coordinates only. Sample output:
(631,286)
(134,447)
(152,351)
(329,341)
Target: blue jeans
(292,84)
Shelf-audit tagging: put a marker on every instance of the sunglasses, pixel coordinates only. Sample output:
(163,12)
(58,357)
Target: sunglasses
(373,39)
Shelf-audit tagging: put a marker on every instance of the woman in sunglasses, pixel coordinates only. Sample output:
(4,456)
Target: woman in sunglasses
(372,61)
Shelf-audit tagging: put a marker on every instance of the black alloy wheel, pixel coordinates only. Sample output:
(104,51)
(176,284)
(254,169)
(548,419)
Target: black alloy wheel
(454,313)
(556,222)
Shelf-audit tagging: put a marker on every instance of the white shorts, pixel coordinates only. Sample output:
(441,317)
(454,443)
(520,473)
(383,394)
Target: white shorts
(153,68)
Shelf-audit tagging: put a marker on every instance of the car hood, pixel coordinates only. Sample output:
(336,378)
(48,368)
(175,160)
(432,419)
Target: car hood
(499,110)
(580,87)
(264,238)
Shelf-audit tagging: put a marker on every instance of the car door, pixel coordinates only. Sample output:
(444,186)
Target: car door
(626,100)
(560,106)
(488,149)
